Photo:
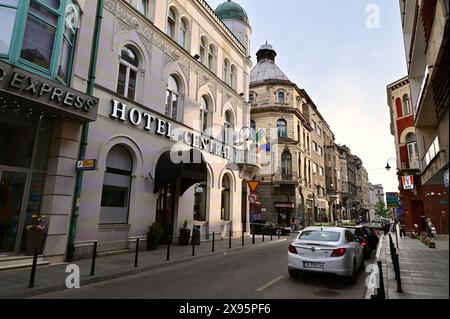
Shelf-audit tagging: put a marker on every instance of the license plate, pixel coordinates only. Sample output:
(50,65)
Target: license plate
(313,265)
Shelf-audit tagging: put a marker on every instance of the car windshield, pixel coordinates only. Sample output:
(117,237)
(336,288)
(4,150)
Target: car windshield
(320,235)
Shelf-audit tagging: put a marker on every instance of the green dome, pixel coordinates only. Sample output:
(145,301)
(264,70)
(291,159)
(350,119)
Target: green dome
(231,11)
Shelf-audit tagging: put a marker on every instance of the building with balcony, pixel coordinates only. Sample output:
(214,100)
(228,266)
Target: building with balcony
(417,203)
(425,27)
(379,193)
(333,176)
(284,140)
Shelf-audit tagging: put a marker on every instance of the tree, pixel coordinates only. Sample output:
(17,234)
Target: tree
(381,210)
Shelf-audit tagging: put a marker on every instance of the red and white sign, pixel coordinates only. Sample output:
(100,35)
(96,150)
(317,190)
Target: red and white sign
(408,182)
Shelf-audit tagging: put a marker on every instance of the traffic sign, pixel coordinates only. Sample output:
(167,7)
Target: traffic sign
(252,198)
(253,185)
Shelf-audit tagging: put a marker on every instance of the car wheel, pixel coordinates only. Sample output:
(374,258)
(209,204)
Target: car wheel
(294,273)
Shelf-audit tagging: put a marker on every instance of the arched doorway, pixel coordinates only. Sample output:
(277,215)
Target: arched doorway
(172,180)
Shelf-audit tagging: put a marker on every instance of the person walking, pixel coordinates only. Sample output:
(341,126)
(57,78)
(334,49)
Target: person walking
(429,228)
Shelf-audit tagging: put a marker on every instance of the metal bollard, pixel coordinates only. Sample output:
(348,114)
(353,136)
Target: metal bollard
(136,254)
(33,268)
(380,291)
(397,273)
(243,238)
(396,236)
(229,239)
(253,237)
(168,248)
(94,257)
(263,232)
(193,248)
(214,238)
(271,236)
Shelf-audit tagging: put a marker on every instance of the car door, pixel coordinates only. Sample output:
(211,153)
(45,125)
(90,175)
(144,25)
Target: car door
(355,246)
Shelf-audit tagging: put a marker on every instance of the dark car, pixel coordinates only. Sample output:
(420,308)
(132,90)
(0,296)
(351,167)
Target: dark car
(269,228)
(363,235)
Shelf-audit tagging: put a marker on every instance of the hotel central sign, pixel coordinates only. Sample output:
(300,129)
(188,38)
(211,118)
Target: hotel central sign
(159,126)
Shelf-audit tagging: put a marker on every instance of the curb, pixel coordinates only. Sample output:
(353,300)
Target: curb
(23,293)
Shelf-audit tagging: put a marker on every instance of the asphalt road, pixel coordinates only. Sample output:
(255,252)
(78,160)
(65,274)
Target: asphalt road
(250,273)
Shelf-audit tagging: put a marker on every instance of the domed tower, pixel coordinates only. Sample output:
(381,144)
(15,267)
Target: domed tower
(236,19)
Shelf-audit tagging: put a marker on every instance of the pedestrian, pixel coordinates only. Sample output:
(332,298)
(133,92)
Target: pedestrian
(429,228)
(402,230)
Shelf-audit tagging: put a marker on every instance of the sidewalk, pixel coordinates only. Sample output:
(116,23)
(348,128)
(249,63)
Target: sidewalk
(14,283)
(424,271)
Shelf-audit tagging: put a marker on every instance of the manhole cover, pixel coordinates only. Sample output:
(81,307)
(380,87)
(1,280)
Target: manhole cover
(326,293)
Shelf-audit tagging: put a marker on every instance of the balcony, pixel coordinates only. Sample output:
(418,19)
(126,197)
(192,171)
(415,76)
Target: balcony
(286,179)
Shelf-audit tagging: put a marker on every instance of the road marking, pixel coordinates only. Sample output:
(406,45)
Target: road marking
(269,283)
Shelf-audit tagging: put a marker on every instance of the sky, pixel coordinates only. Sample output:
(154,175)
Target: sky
(327,48)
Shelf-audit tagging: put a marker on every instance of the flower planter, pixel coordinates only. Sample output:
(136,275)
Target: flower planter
(152,241)
(185,235)
(34,239)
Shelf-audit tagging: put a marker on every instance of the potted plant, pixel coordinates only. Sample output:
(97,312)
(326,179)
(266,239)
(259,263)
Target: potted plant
(35,235)
(185,234)
(154,234)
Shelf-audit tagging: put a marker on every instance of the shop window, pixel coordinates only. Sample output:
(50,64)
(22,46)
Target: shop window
(116,186)
(226,198)
(282,128)
(44,40)
(204,109)
(172,98)
(128,71)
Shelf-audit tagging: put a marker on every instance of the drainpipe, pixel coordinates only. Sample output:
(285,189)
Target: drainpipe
(84,133)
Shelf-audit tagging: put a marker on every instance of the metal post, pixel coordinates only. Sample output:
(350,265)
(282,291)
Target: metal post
(253,236)
(33,268)
(168,248)
(380,291)
(397,273)
(94,257)
(263,229)
(214,238)
(271,236)
(136,255)
(229,239)
(396,236)
(243,238)
(193,246)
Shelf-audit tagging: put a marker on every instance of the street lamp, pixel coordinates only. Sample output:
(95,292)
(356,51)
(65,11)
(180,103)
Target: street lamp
(388,167)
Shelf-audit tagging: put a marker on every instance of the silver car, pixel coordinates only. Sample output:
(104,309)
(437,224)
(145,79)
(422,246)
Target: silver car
(327,250)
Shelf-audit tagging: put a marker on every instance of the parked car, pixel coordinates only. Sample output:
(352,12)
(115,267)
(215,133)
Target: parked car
(366,237)
(269,228)
(326,250)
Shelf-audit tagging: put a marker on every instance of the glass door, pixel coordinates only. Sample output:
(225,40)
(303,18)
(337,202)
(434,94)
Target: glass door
(12,186)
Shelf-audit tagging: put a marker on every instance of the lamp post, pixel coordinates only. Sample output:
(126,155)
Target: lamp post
(388,167)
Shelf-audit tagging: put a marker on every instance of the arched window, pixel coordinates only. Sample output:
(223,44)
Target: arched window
(286,164)
(182,33)
(116,186)
(211,54)
(233,77)
(171,21)
(228,128)
(413,151)
(172,98)
(406,105)
(280,98)
(226,65)
(202,50)
(226,198)
(282,128)
(204,109)
(128,70)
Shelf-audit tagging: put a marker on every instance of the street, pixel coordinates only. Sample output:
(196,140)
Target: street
(250,273)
